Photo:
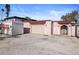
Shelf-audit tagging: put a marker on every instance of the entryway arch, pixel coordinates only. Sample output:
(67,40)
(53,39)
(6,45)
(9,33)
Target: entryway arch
(64,30)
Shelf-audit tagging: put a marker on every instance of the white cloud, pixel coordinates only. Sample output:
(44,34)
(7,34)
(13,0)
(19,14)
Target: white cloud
(56,15)
(53,12)
(50,15)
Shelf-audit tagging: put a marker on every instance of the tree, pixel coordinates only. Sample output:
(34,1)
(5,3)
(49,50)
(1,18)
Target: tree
(63,17)
(70,16)
(7,7)
(28,18)
(2,10)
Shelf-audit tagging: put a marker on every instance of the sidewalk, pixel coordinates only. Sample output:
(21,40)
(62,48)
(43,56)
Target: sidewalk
(3,36)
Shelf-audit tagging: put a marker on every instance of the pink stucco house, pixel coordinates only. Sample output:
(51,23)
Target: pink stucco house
(48,27)
(17,25)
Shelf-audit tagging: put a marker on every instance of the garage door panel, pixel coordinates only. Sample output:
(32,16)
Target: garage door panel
(38,29)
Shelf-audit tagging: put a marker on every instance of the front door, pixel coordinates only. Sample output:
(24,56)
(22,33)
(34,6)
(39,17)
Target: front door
(64,30)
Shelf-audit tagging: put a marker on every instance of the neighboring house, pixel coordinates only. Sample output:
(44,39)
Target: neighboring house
(13,26)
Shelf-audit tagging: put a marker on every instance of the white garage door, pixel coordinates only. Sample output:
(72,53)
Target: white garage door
(17,28)
(37,29)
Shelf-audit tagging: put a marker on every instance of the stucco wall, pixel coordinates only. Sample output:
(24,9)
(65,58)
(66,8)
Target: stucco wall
(27,25)
(56,28)
(78,30)
(73,31)
(69,29)
(8,31)
(48,27)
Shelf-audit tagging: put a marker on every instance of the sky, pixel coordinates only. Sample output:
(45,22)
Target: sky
(40,11)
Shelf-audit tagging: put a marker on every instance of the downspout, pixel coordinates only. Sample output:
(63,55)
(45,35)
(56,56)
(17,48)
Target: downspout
(51,27)
(76,28)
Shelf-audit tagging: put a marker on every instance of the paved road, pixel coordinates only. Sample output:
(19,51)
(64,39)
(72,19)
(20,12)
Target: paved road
(32,44)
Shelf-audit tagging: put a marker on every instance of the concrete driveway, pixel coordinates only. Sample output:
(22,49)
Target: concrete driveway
(34,44)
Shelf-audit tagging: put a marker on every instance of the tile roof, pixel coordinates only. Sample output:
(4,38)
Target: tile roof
(37,22)
(23,19)
(13,17)
(65,22)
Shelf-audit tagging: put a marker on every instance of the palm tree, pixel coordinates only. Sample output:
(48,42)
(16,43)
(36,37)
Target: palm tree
(7,7)
(2,10)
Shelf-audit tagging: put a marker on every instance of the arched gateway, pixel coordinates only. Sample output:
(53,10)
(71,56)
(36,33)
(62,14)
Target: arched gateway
(64,30)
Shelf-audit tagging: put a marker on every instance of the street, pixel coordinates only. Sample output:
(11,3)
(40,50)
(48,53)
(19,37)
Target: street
(35,44)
